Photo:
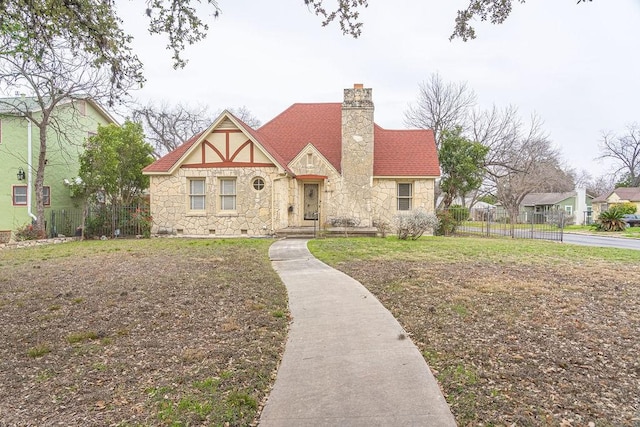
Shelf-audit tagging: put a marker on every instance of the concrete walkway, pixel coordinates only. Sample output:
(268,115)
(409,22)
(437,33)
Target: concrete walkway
(346,361)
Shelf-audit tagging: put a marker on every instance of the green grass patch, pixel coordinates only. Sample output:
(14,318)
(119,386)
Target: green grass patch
(39,350)
(279,313)
(77,337)
(460,249)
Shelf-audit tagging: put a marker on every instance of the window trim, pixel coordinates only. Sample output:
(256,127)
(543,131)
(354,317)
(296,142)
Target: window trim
(13,195)
(224,196)
(399,197)
(200,196)
(47,195)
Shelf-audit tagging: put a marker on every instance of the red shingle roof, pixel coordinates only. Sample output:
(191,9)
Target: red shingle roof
(166,162)
(396,152)
(301,124)
(405,153)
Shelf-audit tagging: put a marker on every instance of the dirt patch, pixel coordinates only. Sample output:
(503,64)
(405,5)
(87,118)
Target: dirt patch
(519,344)
(173,332)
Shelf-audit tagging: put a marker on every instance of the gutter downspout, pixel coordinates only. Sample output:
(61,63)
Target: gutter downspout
(29,172)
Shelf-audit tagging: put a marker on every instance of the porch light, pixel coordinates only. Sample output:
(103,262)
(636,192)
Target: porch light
(21,174)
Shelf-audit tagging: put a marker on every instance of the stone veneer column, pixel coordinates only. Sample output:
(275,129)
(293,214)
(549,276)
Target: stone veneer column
(357,154)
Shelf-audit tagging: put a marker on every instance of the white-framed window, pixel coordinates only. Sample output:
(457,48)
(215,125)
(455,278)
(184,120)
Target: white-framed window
(405,196)
(19,195)
(227,194)
(197,195)
(258,184)
(568,209)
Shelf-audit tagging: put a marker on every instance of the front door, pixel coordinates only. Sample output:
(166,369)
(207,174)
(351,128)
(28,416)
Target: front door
(311,203)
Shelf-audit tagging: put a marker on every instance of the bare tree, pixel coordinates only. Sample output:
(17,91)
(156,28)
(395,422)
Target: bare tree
(55,80)
(521,161)
(440,105)
(498,129)
(595,186)
(244,114)
(624,150)
(167,127)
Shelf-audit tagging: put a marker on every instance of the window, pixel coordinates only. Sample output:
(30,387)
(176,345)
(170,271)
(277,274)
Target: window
(405,195)
(20,195)
(228,194)
(46,195)
(568,209)
(258,184)
(196,194)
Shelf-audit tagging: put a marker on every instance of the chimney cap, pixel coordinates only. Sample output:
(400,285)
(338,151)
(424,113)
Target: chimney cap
(358,86)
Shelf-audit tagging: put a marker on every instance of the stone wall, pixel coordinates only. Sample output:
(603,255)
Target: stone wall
(352,196)
(385,200)
(258,212)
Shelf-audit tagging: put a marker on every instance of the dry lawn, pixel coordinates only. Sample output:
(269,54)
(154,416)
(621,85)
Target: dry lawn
(139,332)
(517,333)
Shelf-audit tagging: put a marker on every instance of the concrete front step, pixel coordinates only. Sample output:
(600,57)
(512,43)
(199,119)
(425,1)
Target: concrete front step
(308,232)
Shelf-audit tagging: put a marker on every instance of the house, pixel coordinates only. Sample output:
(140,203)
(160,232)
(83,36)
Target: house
(576,204)
(19,151)
(615,197)
(311,165)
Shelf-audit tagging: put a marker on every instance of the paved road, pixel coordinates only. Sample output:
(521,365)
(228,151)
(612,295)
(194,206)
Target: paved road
(607,242)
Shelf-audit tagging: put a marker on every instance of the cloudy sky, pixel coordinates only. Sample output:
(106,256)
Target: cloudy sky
(575,65)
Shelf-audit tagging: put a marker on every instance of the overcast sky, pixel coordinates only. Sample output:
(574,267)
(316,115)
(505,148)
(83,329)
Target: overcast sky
(575,65)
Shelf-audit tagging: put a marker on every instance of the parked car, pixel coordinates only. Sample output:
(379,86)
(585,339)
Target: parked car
(631,219)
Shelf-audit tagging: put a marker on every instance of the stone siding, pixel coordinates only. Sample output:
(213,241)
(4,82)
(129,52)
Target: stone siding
(258,212)
(353,193)
(385,197)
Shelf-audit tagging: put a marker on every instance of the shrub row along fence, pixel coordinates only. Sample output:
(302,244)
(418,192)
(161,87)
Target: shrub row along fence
(491,222)
(101,220)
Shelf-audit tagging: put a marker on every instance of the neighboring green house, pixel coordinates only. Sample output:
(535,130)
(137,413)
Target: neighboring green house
(616,196)
(576,204)
(77,119)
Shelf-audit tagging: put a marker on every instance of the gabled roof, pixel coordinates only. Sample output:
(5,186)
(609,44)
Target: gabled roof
(301,124)
(624,193)
(168,162)
(15,106)
(397,153)
(537,199)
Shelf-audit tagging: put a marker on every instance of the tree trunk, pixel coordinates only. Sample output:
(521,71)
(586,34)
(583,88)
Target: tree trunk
(39,187)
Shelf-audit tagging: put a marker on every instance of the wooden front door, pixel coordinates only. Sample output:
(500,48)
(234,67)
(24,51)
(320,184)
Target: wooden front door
(311,202)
